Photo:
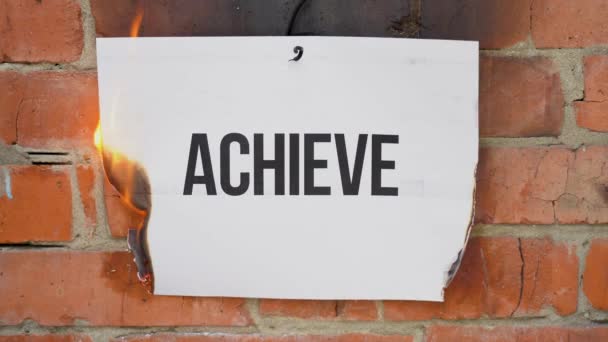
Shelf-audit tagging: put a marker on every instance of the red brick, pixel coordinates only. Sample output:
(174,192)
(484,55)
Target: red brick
(542,185)
(550,277)
(489,283)
(495,23)
(592,113)
(566,23)
(45,338)
(519,97)
(40,31)
(357,310)
(9,106)
(592,116)
(86,185)
(312,309)
(101,288)
(596,78)
(520,185)
(261,338)
(595,277)
(585,197)
(35,204)
(520,334)
(50,109)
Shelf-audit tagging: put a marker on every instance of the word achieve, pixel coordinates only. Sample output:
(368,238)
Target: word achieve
(199,145)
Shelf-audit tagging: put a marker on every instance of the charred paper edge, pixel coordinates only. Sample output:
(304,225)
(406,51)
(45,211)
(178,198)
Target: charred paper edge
(137,240)
(455,266)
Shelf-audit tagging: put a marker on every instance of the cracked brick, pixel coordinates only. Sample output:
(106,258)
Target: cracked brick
(356,310)
(49,109)
(503,277)
(542,185)
(57,288)
(585,198)
(514,333)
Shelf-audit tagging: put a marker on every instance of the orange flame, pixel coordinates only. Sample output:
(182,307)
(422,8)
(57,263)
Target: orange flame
(127,180)
(119,162)
(139,16)
(97,136)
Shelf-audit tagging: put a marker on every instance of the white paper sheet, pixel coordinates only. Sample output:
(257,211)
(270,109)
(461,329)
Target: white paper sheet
(156,92)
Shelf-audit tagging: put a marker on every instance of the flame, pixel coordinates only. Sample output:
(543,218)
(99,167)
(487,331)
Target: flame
(123,167)
(125,173)
(97,136)
(139,16)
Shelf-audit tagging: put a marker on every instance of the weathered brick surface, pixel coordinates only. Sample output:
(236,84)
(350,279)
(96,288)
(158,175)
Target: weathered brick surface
(495,23)
(114,18)
(49,109)
(361,310)
(595,277)
(542,185)
(503,277)
(299,308)
(9,106)
(101,288)
(45,338)
(565,23)
(585,196)
(40,31)
(592,113)
(596,78)
(261,338)
(357,310)
(86,185)
(520,334)
(35,204)
(519,97)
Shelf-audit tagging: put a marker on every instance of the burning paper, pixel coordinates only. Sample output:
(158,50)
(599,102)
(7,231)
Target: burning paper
(347,173)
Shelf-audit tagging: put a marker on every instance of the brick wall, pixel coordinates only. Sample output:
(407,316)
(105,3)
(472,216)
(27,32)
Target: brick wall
(537,264)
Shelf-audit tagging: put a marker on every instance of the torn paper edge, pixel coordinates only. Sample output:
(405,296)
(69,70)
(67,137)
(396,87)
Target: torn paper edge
(455,266)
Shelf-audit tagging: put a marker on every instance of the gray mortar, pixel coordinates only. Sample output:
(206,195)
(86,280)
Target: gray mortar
(13,155)
(88,59)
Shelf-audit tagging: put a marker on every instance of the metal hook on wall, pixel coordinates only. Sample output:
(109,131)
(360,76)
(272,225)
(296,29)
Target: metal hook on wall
(300,51)
(297,49)
(294,17)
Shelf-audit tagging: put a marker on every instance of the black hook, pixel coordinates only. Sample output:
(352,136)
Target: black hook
(294,16)
(300,51)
